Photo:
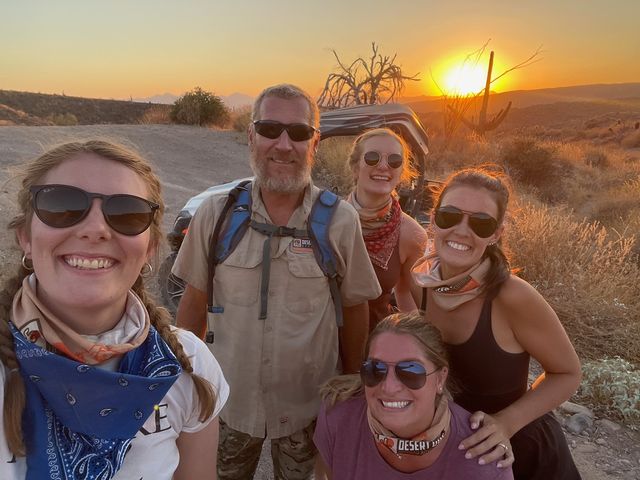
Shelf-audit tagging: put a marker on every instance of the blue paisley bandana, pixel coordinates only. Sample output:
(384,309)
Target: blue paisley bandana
(79,420)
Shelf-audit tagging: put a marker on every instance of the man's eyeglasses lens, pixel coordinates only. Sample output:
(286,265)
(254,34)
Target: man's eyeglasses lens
(61,206)
(482,224)
(298,132)
(412,374)
(372,158)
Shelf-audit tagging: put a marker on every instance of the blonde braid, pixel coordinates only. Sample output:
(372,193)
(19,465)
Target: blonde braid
(161,320)
(14,391)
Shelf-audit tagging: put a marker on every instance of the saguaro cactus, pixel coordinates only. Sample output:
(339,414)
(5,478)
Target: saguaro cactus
(483,125)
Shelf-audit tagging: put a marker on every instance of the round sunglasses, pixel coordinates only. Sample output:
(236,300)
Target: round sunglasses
(298,132)
(482,224)
(62,206)
(412,374)
(373,158)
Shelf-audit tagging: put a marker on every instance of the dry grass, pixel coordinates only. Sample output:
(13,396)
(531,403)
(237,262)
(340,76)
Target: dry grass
(156,115)
(589,275)
(331,168)
(240,118)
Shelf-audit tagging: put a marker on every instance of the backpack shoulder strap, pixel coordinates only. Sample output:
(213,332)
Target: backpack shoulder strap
(318,223)
(240,199)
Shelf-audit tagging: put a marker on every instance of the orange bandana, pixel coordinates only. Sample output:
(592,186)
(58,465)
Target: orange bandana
(40,326)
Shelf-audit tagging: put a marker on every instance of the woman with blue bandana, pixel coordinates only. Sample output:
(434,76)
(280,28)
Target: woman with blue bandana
(96,382)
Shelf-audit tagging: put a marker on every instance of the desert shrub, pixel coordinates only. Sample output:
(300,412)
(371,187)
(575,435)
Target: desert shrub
(64,119)
(532,163)
(331,169)
(240,119)
(611,386)
(588,274)
(199,107)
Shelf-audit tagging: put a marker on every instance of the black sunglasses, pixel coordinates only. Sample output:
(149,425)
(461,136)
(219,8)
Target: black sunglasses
(372,158)
(298,132)
(61,206)
(412,374)
(482,224)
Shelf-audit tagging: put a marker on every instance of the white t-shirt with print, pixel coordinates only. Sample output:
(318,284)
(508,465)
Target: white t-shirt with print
(153,454)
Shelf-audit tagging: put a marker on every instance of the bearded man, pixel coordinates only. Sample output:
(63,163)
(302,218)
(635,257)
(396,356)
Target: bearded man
(277,342)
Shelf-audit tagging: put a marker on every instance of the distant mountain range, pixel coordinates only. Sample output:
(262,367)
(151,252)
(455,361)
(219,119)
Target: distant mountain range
(235,100)
(527,98)
(556,107)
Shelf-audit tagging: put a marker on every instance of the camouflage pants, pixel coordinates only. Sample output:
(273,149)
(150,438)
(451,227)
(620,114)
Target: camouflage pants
(293,456)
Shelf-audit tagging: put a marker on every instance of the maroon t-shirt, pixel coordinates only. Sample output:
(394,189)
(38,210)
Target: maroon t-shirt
(347,446)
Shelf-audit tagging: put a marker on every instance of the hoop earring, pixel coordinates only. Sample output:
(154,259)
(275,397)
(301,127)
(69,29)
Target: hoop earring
(25,265)
(146,271)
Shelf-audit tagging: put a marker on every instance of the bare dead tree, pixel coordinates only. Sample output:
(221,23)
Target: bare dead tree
(377,79)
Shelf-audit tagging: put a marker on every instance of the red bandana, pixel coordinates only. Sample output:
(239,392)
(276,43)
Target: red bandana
(381,241)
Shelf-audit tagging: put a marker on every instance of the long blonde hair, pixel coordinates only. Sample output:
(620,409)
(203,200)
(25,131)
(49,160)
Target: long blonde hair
(33,173)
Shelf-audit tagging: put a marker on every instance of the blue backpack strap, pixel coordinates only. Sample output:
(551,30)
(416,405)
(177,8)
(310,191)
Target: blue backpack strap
(240,199)
(319,222)
(238,222)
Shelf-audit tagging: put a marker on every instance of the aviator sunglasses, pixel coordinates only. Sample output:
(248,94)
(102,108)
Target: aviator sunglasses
(412,374)
(61,206)
(373,158)
(482,224)
(298,132)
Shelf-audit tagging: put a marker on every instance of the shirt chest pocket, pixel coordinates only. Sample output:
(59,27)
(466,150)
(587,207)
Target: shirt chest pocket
(237,279)
(307,286)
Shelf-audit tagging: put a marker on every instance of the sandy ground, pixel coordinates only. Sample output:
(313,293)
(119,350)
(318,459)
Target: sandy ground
(188,160)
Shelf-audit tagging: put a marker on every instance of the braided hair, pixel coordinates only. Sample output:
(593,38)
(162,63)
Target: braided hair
(32,173)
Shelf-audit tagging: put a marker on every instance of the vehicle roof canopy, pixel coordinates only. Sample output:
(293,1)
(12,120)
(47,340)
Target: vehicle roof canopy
(398,117)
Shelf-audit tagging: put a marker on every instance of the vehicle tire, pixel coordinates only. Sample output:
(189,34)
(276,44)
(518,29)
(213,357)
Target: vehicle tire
(171,287)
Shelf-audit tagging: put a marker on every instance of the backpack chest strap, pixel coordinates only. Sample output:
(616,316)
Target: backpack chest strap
(269,231)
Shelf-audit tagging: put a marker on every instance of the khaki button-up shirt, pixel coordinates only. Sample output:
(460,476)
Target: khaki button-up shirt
(275,366)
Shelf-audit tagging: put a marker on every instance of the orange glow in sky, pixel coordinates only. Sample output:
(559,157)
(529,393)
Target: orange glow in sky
(457,74)
(465,79)
(134,49)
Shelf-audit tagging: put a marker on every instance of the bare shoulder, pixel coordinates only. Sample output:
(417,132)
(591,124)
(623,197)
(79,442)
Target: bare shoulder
(411,232)
(519,299)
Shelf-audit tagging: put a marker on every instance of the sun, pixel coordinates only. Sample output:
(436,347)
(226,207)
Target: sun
(464,79)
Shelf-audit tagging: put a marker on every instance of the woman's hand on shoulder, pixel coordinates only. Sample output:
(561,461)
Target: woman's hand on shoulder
(490,441)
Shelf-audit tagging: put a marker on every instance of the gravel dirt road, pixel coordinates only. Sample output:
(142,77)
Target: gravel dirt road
(188,160)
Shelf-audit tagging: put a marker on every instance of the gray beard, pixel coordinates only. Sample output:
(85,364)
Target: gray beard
(292,184)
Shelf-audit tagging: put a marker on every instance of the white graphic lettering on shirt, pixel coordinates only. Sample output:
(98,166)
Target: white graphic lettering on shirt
(301,245)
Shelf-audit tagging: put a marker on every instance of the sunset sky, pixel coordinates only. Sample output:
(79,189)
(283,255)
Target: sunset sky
(139,48)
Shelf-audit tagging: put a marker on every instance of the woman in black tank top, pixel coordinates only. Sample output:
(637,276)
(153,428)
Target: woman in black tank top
(492,322)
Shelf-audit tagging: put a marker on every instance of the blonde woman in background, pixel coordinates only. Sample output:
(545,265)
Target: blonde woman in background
(380,163)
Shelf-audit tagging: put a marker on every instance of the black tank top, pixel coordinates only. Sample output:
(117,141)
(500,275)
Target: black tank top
(487,378)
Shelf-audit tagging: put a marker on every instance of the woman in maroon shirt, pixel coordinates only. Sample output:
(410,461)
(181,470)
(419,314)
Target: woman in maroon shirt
(396,420)
(379,162)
